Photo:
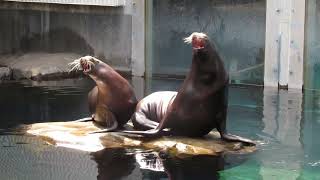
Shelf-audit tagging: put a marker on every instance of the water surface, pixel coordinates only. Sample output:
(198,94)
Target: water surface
(286,125)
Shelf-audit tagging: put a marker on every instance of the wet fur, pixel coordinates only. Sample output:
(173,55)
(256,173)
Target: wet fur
(112,100)
(199,106)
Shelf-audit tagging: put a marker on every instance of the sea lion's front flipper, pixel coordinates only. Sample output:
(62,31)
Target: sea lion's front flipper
(113,127)
(105,118)
(235,138)
(93,99)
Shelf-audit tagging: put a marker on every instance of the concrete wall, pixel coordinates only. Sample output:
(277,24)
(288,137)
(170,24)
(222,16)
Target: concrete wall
(104,32)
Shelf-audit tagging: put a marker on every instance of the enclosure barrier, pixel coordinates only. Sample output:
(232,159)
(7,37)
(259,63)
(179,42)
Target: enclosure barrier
(114,3)
(284,41)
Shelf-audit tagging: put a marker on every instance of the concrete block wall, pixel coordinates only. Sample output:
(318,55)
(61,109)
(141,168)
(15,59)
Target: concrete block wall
(104,32)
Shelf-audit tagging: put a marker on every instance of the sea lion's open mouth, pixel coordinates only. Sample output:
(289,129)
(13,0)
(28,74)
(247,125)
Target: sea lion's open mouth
(197,42)
(86,66)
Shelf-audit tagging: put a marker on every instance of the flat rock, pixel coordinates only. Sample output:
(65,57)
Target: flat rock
(44,66)
(5,73)
(38,66)
(77,135)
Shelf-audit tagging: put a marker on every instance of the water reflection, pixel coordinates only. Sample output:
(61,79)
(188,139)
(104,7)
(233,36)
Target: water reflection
(194,168)
(150,161)
(282,114)
(311,130)
(282,119)
(119,163)
(28,102)
(113,163)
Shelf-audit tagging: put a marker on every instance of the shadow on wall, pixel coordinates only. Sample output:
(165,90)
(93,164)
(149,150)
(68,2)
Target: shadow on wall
(56,41)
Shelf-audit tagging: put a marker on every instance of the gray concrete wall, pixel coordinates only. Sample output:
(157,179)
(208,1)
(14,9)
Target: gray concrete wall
(104,32)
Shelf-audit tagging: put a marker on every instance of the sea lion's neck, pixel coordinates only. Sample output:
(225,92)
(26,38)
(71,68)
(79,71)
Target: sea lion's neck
(205,64)
(102,72)
(206,72)
(107,78)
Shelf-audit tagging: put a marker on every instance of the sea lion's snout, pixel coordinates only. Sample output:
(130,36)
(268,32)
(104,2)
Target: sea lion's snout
(85,65)
(197,43)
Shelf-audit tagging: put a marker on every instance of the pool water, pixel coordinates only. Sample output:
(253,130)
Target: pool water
(286,125)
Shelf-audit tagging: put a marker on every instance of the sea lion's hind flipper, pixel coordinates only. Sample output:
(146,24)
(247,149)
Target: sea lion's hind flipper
(230,137)
(106,119)
(235,138)
(148,133)
(86,119)
(111,128)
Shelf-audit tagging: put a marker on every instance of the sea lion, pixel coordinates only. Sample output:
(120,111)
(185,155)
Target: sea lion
(199,106)
(112,101)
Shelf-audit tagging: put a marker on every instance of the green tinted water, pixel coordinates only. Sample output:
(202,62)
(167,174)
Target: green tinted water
(286,125)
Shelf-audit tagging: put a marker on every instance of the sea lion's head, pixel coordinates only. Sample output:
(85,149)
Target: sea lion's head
(197,40)
(85,63)
(202,50)
(206,59)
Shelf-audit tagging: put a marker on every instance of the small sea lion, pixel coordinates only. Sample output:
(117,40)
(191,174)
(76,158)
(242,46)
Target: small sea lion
(112,101)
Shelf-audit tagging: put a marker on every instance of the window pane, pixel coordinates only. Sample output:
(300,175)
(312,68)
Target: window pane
(237,28)
(312,46)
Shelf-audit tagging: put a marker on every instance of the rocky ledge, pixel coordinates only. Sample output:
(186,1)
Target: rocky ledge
(5,73)
(40,66)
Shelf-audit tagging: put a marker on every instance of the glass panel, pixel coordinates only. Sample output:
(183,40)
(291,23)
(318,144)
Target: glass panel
(48,29)
(237,28)
(312,46)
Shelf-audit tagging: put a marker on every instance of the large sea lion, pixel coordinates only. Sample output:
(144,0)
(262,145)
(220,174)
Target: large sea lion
(112,101)
(198,107)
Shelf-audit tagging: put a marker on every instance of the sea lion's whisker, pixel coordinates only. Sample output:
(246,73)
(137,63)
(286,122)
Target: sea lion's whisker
(75,65)
(72,65)
(188,40)
(75,62)
(79,67)
(73,68)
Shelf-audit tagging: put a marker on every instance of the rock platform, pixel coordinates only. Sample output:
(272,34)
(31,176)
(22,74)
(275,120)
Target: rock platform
(77,135)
